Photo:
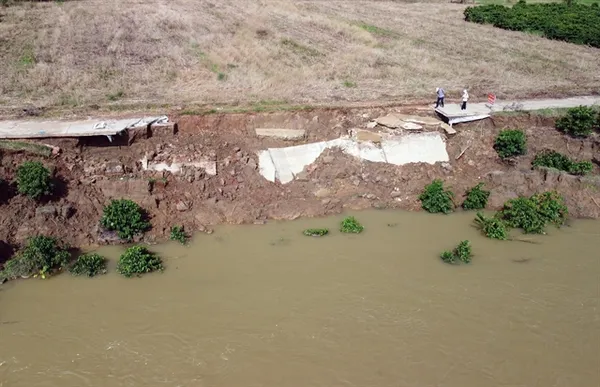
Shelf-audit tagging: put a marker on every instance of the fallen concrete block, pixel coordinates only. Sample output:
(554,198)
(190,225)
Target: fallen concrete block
(365,135)
(411,126)
(447,128)
(391,121)
(283,134)
(163,129)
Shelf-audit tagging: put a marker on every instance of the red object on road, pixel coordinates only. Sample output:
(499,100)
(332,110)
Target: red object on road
(491,99)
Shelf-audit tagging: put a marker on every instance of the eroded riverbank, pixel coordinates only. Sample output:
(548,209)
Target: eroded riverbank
(221,182)
(263,305)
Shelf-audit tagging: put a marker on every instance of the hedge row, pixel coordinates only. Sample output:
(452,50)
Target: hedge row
(574,23)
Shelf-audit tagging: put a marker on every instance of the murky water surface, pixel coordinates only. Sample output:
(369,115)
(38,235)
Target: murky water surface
(266,306)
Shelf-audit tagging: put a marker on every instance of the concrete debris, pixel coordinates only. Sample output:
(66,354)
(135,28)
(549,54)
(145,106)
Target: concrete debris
(182,206)
(365,135)
(447,128)
(411,126)
(283,134)
(209,166)
(371,124)
(284,164)
(391,121)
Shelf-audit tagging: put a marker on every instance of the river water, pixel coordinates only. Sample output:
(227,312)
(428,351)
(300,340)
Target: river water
(266,306)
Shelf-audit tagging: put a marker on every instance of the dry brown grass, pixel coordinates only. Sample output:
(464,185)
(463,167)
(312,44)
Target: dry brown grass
(231,51)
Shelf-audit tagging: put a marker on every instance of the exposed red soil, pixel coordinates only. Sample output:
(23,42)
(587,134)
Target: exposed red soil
(93,172)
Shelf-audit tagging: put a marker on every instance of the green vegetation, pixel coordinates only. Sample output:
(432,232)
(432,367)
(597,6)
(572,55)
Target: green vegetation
(299,48)
(436,199)
(316,232)
(178,234)
(33,179)
(42,255)
(125,217)
(534,213)
(351,226)
(568,21)
(88,264)
(477,198)
(510,143)
(492,227)
(349,84)
(137,260)
(377,30)
(579,121)
(553,159)
(461,253)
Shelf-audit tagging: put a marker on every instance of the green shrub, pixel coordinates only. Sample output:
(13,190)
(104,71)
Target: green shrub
(575,23)
(553,159)
(532,214)
(436,199)
(88,264)
(316,232)
(41,255)
(178,234)
(125,217)
(447,256)
(137,260)
(33,179)
(351,225)
(492,227)
(461,253)
(578,122)
(477,198)
(510,143)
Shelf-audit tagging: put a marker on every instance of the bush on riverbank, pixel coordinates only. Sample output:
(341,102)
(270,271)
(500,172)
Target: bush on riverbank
(556,160)
(579,121)
(570,22)
(477,198)
(138,260)
(178,234)
(510,143)
(316,232)
(436,199)
(351,226)
(33,179)
(125,217)
(462,253)
(88,264)
(534,213)
(42,255)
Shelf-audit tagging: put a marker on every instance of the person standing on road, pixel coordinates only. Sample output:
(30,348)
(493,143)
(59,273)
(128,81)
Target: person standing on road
(465,98)
(440,97)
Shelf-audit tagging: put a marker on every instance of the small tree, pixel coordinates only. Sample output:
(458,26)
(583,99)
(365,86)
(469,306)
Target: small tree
(492,227)
(436,199)
(33,179)
(477,198)
(89,264)
(510,143)
(351,226)
(125,217)
(42,255)
(578,122)
(137,260)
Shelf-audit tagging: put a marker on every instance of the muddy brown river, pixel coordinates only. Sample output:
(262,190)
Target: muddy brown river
(265,306)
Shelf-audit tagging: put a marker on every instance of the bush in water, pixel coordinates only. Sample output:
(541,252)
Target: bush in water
(351,225)
(137,260)
(88,264)
(533,213)
(492,227)
(178,234)
(461,253)
(316,232)
(42,255)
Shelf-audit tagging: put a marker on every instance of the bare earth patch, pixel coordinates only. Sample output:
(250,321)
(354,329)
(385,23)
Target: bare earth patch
(183,52)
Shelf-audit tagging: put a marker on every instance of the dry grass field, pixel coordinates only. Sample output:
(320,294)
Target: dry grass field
(184,52)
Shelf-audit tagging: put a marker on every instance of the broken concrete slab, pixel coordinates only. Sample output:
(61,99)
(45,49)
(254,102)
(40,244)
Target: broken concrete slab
(365,135)
(371,124)
(175,167)
(447,128)
(283,134)
(411,126)
(391,121)
(284,164)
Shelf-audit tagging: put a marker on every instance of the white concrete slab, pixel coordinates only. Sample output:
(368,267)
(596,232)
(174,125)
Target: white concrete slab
(284,134)
(284,163)
(209,166)
(84,128)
